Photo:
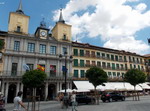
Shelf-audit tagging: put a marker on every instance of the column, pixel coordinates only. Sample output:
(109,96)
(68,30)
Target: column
(60,86)
(57,87)
(3,87)
(21,89)
(46,90)
(17,88)
(6,92)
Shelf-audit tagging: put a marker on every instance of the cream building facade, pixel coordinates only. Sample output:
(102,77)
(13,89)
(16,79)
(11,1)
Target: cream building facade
(114,62)
(23,51)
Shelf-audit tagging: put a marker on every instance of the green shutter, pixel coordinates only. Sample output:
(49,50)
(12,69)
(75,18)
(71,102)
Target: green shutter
(81,52)
(108,56)
(116,57)
(139,67)
(75,62)
(118,74)
(75,52)
(113,66)
(125,59)
(130,66)
(82,63)
(112,57)
(114,74)
(109,74)
(76,73)
(82,73)
(126,66)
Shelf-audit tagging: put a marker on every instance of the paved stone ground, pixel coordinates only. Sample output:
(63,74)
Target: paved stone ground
(127,105)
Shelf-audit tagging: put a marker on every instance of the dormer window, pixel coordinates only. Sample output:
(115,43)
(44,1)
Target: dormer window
(18,29)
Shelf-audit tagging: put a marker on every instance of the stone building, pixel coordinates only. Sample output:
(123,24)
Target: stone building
(23,51)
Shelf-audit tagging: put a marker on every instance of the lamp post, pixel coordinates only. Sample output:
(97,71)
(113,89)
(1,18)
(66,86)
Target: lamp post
(64,69)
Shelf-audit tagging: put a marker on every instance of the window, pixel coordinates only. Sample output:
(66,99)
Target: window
(14,69)
(82,63)
(108,57)
(93,63)
(125,59)
(117,66)
(129,59)
(137,60)
(53,50)
(76,73)
(17,45)
(64,37)
(103,55)
(31,47)
(93,53)
(42,48)
(126,67)
(75,52)
(87,53)
(81,52)
(108,65)
(134,66)
(130,66)
(18,29)
(114,74)
(75,62)
(52,70)
(139,67)
(112,57)
(103,64)
(116,58)
(98,55)
(82,73)
(113,66)
(120,58)
(87,63)
(31,66)
(109,74)
(118,74)
(64,50)
(133,59)
(122,66)
(99,64)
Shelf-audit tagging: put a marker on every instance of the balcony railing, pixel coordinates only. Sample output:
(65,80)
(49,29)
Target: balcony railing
(21,73)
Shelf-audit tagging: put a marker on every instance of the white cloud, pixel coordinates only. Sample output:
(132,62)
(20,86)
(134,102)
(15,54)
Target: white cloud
(141,7)
(109,19)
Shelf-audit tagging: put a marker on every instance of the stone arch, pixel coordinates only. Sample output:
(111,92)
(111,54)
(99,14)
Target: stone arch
(11,93)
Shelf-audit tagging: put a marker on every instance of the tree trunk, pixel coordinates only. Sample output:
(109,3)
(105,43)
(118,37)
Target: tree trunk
(33,99)
(135,93)
(95,96)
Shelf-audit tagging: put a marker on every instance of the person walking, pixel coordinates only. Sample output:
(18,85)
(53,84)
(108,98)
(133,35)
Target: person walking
(18,102)
(73,100)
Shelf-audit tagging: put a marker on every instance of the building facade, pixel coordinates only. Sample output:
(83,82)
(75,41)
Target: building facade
(23,51)
(114,62)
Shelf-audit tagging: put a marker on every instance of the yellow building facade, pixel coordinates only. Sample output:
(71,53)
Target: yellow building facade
(114,62)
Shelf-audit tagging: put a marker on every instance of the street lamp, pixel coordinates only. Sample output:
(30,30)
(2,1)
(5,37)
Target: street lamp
(64,69)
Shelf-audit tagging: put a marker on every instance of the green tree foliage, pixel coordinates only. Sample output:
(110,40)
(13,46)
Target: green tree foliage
(135,76)
(34,78)
(96,76)
(1,44)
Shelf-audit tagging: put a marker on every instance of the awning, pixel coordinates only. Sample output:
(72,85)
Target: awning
(144,86)
(109,86)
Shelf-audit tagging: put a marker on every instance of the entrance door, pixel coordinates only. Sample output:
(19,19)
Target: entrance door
(11,93)
(51,92)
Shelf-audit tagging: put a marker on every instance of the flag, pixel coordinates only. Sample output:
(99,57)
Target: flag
(53,68)
(40,67)
(26,67)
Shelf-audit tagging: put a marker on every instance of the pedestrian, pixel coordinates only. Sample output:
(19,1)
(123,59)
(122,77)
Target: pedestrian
(18,102)
(73,100)
(61,97)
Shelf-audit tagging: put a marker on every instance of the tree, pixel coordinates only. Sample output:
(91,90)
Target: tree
(34,79)
(1,44)
(134,77)
(96,76)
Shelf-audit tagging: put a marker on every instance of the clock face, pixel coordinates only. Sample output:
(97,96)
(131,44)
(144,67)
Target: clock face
(43,33)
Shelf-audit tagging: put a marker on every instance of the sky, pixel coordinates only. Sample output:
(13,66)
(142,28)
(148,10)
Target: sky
(115,24)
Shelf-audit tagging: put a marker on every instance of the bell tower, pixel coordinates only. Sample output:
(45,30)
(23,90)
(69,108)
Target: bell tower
(62,31)
(18,21)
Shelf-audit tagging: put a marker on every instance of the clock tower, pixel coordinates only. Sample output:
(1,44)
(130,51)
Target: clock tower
(42,31)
